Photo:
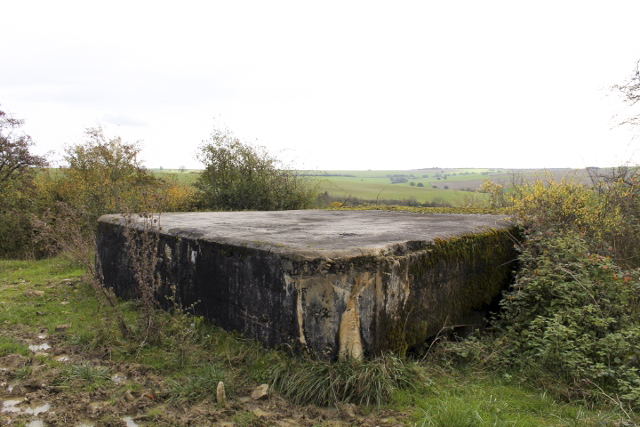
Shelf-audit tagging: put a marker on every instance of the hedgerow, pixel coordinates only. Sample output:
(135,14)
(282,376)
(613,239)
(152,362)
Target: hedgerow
(572,316)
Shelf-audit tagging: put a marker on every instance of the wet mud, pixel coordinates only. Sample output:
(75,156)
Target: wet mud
(37,391)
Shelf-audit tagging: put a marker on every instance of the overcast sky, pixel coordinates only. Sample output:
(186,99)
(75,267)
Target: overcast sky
(330,85)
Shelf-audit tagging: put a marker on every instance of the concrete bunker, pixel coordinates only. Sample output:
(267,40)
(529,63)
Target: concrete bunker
(334,283)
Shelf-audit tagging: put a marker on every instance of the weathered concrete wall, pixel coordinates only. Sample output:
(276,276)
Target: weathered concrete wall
(332,282)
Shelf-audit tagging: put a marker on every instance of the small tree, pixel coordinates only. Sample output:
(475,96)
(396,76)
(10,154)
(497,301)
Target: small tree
(15,157)
(18,198)
(241,176)
(105,175)
(629,91)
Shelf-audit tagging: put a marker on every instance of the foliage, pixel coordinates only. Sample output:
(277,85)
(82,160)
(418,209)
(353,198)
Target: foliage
(240,176)
(606,213)
(571,320)
(574,314)
(105,176)
(351,381)
(18,196)
(15,157)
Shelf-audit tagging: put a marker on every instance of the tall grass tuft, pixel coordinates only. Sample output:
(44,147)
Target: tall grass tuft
(363,383)
(199,385)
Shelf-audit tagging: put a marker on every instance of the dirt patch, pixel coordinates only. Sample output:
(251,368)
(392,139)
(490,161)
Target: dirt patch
(78,389)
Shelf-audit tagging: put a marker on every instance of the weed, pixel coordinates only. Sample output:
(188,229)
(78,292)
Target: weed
(365,383)
(67,231)
(201,384)
(87,373)
(451,413)
(24,372)
(141,233)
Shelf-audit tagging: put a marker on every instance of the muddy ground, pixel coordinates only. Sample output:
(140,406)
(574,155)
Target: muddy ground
(38,390)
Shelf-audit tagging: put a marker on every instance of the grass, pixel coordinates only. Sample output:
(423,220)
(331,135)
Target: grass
(94,376)
(484,400)
(374,185)
(327,384)
(193,356)
(9,345)
(199,384)
(381,188)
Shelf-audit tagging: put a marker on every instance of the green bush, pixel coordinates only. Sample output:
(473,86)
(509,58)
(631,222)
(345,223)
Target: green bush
(106,176)
(571,319)
(573,314)
(240,176)
(606,213)
(19,199)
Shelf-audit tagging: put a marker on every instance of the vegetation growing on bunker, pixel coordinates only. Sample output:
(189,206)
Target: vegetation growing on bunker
(451,277)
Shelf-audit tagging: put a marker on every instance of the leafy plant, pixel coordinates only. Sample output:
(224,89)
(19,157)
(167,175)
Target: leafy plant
(18,196)
(574,314)
(241,176)
(105,175)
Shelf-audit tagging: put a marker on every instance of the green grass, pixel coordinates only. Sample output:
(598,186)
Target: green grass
(381,188)
(375,184)
(9,345)
(87,376)
(471,398)
(193,356)
(42,271)
(186,177)
(326,384)
(200,384)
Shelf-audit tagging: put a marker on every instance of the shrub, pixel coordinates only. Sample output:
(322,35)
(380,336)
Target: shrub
(240,176)
(606,213)
(106,176)
(571,320)
(18,196)
(574,314)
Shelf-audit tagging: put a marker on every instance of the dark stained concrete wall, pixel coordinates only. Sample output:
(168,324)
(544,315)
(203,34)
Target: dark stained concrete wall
(341,304)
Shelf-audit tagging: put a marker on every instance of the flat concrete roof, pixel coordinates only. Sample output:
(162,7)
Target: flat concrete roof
(321,233)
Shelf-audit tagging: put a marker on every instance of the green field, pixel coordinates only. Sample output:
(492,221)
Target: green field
(456,187)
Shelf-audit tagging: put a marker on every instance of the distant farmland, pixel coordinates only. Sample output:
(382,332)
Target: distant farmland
(456,187)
